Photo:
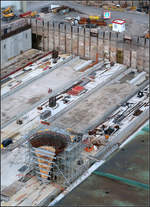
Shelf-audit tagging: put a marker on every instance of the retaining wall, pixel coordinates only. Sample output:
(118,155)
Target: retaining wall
(85,43)
(15,45)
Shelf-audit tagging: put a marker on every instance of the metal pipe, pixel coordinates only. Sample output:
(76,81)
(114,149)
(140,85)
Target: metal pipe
(43,154)
(38,163)
(39,158)
(42,150)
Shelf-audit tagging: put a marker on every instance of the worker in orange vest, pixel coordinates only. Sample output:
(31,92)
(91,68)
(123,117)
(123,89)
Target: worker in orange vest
(106,137)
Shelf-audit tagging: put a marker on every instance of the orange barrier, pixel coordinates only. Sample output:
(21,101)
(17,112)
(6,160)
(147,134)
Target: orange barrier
(89,149)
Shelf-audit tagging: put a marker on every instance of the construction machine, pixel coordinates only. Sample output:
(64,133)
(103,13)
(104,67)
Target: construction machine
(8,14)
(88,21)
(29,14)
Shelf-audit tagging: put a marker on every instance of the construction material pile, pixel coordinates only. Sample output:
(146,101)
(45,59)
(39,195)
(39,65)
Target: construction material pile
(97,22)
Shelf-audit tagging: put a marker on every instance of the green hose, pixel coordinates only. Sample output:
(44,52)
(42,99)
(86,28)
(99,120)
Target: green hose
(124,180)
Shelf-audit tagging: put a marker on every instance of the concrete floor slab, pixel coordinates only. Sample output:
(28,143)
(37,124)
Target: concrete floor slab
(89,110)
(24,98)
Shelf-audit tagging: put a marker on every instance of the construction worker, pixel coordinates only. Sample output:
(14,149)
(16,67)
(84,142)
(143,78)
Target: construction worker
(106,137)
(49,90)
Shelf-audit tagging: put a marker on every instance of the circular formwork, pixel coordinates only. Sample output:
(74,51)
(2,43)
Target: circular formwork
(49,138)
(49,142)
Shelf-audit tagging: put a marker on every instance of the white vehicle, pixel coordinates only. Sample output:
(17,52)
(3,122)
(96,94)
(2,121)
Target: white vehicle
(68,18)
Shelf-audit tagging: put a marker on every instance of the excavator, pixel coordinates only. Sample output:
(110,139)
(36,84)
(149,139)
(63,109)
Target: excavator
(8,14)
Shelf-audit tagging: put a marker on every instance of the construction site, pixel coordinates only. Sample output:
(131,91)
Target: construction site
(75,103)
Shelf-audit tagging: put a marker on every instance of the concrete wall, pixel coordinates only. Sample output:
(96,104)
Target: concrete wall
(12,46)
(80,41)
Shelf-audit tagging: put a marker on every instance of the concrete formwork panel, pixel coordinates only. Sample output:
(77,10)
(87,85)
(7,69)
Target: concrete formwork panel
(113,51)
(68,43)
(93,47)
(100,48)
(133,59)
(73,40)
(146,60)
(140,58)
(126,58)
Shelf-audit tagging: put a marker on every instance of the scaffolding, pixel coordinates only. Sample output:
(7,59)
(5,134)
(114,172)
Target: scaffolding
(57,166)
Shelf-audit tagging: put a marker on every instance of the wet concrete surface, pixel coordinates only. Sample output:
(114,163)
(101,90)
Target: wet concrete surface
(130,162)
